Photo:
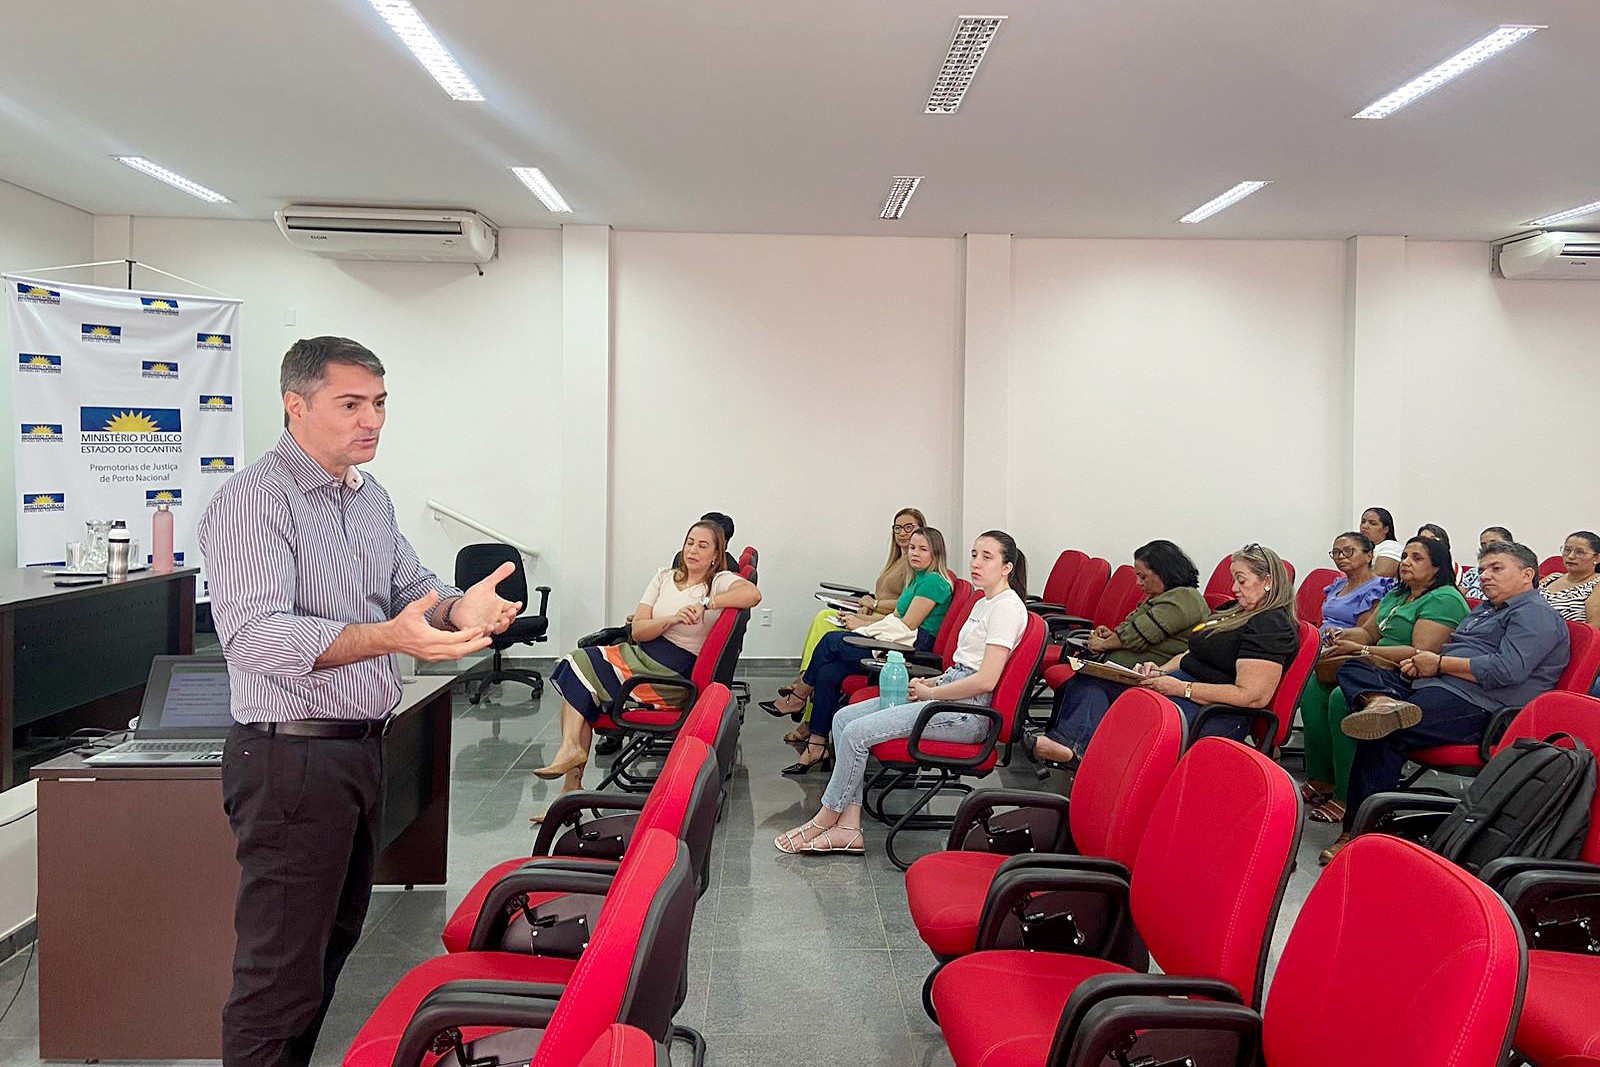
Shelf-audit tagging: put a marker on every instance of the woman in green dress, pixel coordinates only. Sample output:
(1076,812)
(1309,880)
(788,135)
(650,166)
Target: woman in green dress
(1418,614)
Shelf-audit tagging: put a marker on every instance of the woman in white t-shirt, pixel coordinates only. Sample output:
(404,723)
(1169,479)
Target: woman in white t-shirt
(1378,525)
(674,616)
(992,630)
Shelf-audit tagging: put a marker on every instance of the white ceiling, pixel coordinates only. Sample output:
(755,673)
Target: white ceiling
(1089,117)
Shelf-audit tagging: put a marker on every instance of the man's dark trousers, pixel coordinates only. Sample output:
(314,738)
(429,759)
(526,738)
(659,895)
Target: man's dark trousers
(306,815)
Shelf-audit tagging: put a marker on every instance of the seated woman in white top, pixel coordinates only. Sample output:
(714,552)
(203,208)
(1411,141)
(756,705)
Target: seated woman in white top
(1378,525)
(994,628)
(1575,593)
(670,626)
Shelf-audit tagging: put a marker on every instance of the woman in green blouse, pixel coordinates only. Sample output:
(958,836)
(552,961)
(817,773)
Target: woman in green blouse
(1419,614)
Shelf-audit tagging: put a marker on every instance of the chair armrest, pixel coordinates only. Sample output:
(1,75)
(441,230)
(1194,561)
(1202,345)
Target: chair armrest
(990,740)
(1016,888)
(1496,730)
(848,590)
(1498,872)
(1064,861)
(873,644)
(1101,1020)
(458,1004)
(1415,813)
(566,811)
(1265,743)
(975,810)
(618,708)
(544,599)
(1060,624)
(1040,607)
(1558,910)
(507,896)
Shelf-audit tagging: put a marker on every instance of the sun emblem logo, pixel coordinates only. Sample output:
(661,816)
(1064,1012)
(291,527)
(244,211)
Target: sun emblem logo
(131,422)
(100,331)
(164,305)
(165,494)
(216,402)
(212,339)
(41,431)
(43,500)
(39,361)
(160,368)
(38,290)
(218,463)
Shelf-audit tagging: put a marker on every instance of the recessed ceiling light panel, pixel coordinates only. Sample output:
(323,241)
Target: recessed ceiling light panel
(969,43)
(900,191)
(1571,213)
(172,178)
(408,25)
(540,186)
(1223,202)
(1486,47)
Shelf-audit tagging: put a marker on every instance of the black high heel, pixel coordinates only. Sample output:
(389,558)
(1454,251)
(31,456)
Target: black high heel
(771,708)
(825,762)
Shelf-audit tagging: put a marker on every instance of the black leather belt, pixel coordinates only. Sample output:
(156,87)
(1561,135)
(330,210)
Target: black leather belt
(334,729)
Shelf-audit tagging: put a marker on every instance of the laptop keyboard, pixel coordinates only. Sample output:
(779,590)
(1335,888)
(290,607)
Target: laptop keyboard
(149,747)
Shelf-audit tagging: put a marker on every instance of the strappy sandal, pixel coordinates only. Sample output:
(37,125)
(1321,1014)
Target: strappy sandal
(1327,855)
(823,842)
(784,839)
(799,735)
(1329,810)
(771,708)
(1315,797)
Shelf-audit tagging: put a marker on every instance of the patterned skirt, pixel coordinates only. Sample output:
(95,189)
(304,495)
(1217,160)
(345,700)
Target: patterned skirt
(589,678)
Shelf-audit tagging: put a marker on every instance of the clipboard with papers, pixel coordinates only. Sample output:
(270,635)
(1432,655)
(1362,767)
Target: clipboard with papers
(1111,672)
(839,603)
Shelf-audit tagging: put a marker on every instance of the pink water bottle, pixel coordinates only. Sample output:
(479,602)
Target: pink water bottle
(161,558)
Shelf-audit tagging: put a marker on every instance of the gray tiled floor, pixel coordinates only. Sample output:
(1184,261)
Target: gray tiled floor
(793,959)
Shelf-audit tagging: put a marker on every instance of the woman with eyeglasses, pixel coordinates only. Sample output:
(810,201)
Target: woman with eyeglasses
(892,581)
(1378,525)
(1351,596)
(1468,583)
(1235,657)
(1576,594)
(1418,614)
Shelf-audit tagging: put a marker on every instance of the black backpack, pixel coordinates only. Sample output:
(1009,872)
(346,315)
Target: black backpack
(1532,799)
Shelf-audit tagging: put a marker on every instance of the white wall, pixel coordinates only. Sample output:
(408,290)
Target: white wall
(473,366)
(34,232)
(1192,390)
(761,376)
(1499,394)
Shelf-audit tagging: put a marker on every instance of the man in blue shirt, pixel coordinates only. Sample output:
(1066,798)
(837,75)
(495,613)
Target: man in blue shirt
(1507,651)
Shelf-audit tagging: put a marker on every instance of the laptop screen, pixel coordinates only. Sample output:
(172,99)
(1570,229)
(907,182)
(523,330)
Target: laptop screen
(186,697)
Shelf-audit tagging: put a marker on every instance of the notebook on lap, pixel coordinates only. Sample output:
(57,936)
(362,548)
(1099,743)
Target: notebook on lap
(183,719)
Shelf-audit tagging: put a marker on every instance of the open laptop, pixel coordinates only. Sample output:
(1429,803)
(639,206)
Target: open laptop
(183,720)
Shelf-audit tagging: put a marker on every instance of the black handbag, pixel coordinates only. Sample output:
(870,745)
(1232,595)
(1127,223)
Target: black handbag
(611,635)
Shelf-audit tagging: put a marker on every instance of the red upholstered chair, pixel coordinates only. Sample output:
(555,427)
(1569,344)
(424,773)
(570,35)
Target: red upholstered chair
(1313,594)
(1204,895)
(503,1004)
(1271,724)
(1552,565)
(625,1046)
(577,882)
(1342,994)
(1583,663)
(1219,587)
(650,717)
(1098,828)
(934,766)
(1059,582)
(1117,600)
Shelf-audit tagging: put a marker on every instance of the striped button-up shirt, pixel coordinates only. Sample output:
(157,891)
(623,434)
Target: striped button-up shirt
(295,555)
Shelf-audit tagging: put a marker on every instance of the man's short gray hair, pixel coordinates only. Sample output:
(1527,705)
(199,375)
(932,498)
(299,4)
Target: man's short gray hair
(1519,552)
(305,365)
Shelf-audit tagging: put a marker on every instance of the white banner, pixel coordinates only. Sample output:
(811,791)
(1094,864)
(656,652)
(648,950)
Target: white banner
(122,399)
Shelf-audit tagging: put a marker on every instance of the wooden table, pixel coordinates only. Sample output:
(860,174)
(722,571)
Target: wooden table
(137,882)
(84,647)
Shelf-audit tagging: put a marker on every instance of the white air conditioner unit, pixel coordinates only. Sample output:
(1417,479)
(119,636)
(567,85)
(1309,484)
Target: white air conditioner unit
(391,234)
(1550,255)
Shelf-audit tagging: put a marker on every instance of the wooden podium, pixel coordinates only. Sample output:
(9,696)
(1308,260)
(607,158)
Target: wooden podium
(137,882)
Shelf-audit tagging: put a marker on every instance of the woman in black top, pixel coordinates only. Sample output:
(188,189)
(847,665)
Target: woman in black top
(1236,657)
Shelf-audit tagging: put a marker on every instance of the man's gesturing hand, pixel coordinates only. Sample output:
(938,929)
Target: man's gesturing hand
(412,633)
(481,607)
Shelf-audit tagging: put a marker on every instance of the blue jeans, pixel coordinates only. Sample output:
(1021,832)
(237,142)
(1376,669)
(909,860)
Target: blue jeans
(832,661)
(1084,701)
(860,726)
(1448,718)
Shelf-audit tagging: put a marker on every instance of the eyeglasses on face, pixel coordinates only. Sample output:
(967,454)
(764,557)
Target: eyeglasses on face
(1341,553)
(1576,550)
(905,527)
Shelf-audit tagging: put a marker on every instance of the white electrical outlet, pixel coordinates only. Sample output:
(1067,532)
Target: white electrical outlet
(766,616)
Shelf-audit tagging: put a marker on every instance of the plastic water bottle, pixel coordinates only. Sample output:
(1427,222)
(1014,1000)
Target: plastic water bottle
(893,681)
(161,557)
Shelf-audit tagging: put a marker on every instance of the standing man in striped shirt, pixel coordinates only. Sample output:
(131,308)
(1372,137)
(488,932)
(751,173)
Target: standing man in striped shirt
(314,589)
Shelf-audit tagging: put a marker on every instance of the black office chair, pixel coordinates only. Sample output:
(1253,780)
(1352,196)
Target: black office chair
(473,564)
